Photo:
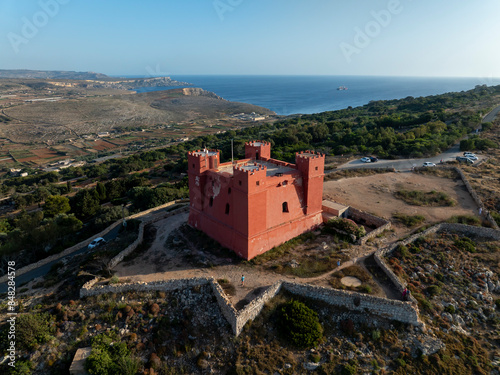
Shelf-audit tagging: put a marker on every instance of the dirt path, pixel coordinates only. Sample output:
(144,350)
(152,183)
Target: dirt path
(372,194)
(162,263)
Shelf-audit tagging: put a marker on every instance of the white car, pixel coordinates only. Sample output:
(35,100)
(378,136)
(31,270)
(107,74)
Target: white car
(471,156)
(98,241)
(429,164)
(366,160)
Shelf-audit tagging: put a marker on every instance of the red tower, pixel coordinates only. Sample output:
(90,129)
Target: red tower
(256,203)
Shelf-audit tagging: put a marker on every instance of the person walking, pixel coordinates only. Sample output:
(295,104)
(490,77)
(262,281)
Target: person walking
(242,280)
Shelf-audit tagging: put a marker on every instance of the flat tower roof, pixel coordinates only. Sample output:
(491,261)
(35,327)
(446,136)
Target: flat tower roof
(252,165)
(205,153)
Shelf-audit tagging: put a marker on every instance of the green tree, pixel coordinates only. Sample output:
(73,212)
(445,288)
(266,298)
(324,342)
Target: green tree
(33,329)
(101,191)
(299,324)
(56,204)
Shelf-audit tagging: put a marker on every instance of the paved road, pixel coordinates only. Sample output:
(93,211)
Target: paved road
(407,164)
(492,115)
(43,270)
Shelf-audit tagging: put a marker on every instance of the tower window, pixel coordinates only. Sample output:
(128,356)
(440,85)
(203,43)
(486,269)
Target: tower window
(285,206)
(257,183)
(239,182)
(227,208)
(229,190)
(316,168)
(193,165)
(211,203)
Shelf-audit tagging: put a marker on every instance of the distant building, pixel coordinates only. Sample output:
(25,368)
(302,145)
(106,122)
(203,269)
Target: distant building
(258,202)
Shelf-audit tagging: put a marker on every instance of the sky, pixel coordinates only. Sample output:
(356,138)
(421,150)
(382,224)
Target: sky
(255,37)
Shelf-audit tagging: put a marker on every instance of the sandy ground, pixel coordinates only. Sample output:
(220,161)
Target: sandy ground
(372,194)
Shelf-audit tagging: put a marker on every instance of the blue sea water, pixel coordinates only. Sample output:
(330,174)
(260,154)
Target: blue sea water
(287,95)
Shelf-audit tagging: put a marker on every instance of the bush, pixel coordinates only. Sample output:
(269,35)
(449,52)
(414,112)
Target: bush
(109,357)
(465,219)
(421,198)
(409,220)
(433,290)
(466,244)
(299,324)
(33,329)
(346,225)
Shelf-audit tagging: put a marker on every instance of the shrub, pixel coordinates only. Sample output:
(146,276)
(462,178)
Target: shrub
(114,280)
(465,219)
(346,225)
(349,369)
(466,244)
(299,324)
(365,289)
(450,309)
(33,329)
(409,220)
(433,290)
(421,198)
(109,357)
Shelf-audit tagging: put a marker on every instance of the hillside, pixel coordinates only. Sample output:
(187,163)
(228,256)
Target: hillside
(49,74)
(76,116)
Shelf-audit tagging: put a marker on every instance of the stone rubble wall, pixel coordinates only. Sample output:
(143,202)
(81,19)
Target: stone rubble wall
(405,312)
(369,219)
(86,242)
(467,230)
(90,289)
(476,198)
(226,307)
(253,309)
(118,258)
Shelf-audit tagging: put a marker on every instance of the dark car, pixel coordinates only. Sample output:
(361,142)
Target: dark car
(373,159)
(464,159)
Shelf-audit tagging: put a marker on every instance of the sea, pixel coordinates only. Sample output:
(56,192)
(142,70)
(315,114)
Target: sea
(288,95)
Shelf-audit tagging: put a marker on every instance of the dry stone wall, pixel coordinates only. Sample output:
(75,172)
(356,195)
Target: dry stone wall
(466,230)
(118,258)
(253,309)
(476,198)
(370,220)
(405,312)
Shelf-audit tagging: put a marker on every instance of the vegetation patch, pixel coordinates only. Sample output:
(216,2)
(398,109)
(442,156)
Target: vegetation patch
(421,198)
(465,219)
(345,225)
(408,220)
(299,325)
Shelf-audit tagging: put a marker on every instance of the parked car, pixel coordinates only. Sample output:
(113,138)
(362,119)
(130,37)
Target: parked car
(373,159)
(464,159)
(471,156)
(466,153)
(97,242)
(366,160)
(429,164)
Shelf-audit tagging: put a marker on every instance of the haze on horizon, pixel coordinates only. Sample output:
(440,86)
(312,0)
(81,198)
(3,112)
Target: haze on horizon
(285,37)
